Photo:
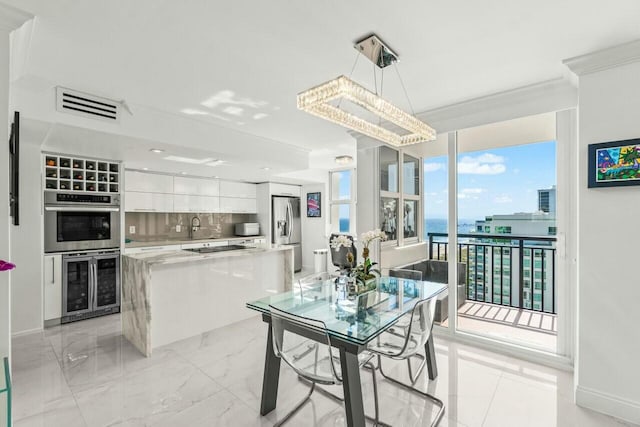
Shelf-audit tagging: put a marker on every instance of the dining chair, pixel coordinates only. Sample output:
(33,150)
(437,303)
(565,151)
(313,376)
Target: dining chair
(322,366)
(308,287)
(418,332)
(399,328)
(339,256)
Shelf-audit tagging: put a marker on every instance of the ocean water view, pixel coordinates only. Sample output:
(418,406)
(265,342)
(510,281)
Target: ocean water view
(431,225)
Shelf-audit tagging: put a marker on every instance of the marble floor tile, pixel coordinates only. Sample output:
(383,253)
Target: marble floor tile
(87,374)
(223,409)
(58,412)
(147,396)
(34,389)
(523,404)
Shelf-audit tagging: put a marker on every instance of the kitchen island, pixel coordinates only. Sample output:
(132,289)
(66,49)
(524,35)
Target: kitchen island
(171,295)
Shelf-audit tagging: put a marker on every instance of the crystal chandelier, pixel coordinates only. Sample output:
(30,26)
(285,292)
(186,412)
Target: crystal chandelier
(317,101)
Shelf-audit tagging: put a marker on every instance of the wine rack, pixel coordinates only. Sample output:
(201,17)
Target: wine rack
(76,174)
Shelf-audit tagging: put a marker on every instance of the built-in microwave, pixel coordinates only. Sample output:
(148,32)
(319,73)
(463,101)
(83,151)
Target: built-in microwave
(78,222)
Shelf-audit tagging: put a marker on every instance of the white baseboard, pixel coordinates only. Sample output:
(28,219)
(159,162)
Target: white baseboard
(615,406)
(25,332)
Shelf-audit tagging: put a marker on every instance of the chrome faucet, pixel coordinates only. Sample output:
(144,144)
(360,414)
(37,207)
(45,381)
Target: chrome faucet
(195,226)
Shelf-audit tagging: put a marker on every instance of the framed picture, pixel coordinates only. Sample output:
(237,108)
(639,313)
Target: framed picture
(313,205)
(614,164)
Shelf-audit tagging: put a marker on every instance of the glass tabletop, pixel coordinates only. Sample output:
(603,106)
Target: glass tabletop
(356,320)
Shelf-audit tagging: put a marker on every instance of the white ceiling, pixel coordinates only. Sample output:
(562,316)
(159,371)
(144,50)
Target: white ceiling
(240,64)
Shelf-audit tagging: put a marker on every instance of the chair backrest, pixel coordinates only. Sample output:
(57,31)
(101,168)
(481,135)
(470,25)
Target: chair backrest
(418,330)
(403,273)
(304,344)
(339,256)
(312,283)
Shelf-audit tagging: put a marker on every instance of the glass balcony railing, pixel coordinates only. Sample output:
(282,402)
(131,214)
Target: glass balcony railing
(499,268)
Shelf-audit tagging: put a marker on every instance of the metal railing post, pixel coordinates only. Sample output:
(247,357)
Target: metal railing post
(521,273)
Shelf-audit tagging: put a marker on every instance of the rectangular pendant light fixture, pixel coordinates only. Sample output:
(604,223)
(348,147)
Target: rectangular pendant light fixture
(317,100)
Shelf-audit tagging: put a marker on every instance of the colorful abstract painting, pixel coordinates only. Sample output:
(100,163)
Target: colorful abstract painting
(313,205)
(614,163)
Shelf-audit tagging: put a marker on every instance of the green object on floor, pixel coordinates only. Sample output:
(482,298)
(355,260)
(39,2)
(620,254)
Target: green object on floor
(6,388)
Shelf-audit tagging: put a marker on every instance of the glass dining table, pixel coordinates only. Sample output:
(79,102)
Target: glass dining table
(351,324)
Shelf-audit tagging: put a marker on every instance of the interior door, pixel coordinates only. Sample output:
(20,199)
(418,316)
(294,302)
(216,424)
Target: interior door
(106,270)
(77,278)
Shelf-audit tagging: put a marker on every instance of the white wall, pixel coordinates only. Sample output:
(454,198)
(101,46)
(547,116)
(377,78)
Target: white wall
(10,19)
(607,374)
(5,252)
(26,243)
(314,230)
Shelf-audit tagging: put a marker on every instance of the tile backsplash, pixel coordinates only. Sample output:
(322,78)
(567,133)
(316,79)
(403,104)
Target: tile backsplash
(151,226)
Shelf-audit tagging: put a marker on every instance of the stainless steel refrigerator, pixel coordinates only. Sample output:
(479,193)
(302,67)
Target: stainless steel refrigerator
(286,225)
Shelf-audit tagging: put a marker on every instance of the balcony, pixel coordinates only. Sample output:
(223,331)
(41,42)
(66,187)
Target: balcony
(510,284)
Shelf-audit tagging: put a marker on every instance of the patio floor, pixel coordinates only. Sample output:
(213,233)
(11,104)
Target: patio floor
(508,323)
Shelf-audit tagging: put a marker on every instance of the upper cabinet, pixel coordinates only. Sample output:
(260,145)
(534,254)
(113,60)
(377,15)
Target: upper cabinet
(285,190)
(196,186)
(237,189)
(148,182)
(152,192)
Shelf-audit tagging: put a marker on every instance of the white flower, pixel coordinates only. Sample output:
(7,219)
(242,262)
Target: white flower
(340,240)
(372,235)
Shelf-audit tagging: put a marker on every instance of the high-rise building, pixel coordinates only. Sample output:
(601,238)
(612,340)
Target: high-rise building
(547,200)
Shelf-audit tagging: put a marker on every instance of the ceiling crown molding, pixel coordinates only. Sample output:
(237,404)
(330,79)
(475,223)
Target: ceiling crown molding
(604,59)
(12,18)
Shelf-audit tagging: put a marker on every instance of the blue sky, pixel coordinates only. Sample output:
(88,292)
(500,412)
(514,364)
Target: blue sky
(496,181)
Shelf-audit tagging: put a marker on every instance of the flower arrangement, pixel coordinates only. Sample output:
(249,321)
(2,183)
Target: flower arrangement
(364,272)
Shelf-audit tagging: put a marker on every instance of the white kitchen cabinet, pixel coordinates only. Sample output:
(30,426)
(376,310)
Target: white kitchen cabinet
(243,190)
(148,182)
(147,202)
(128,251)
(196,186)
(52,284)
(198,245)
(237,205)
(190,203)
(284,189)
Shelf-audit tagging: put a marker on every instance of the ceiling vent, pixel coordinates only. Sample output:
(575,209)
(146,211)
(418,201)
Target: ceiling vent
(86,105)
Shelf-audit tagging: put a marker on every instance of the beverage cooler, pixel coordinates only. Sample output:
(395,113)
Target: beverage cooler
(91,285)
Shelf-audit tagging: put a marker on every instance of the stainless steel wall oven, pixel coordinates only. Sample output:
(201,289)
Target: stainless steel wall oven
(78,222)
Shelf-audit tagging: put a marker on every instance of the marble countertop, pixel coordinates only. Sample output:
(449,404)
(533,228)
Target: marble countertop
(179,256)
(167,242)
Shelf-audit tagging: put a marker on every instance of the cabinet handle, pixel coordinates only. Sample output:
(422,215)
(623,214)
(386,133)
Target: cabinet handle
(53,270)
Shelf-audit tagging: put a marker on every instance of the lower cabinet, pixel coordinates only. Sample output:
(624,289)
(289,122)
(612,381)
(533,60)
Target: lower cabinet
(52,284)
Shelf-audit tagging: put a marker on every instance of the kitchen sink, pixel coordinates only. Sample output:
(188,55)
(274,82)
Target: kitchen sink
(217,249)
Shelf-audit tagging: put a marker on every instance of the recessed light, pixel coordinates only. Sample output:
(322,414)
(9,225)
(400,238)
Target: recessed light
(266,168)
(145,169)
(344,160)
(183,173)
(216,176)
(157,150)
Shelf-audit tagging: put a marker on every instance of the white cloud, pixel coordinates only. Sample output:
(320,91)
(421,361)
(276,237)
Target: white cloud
(485,164)
(470,193)
(473,190)
(503,198)
(432,194)
(432,167)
